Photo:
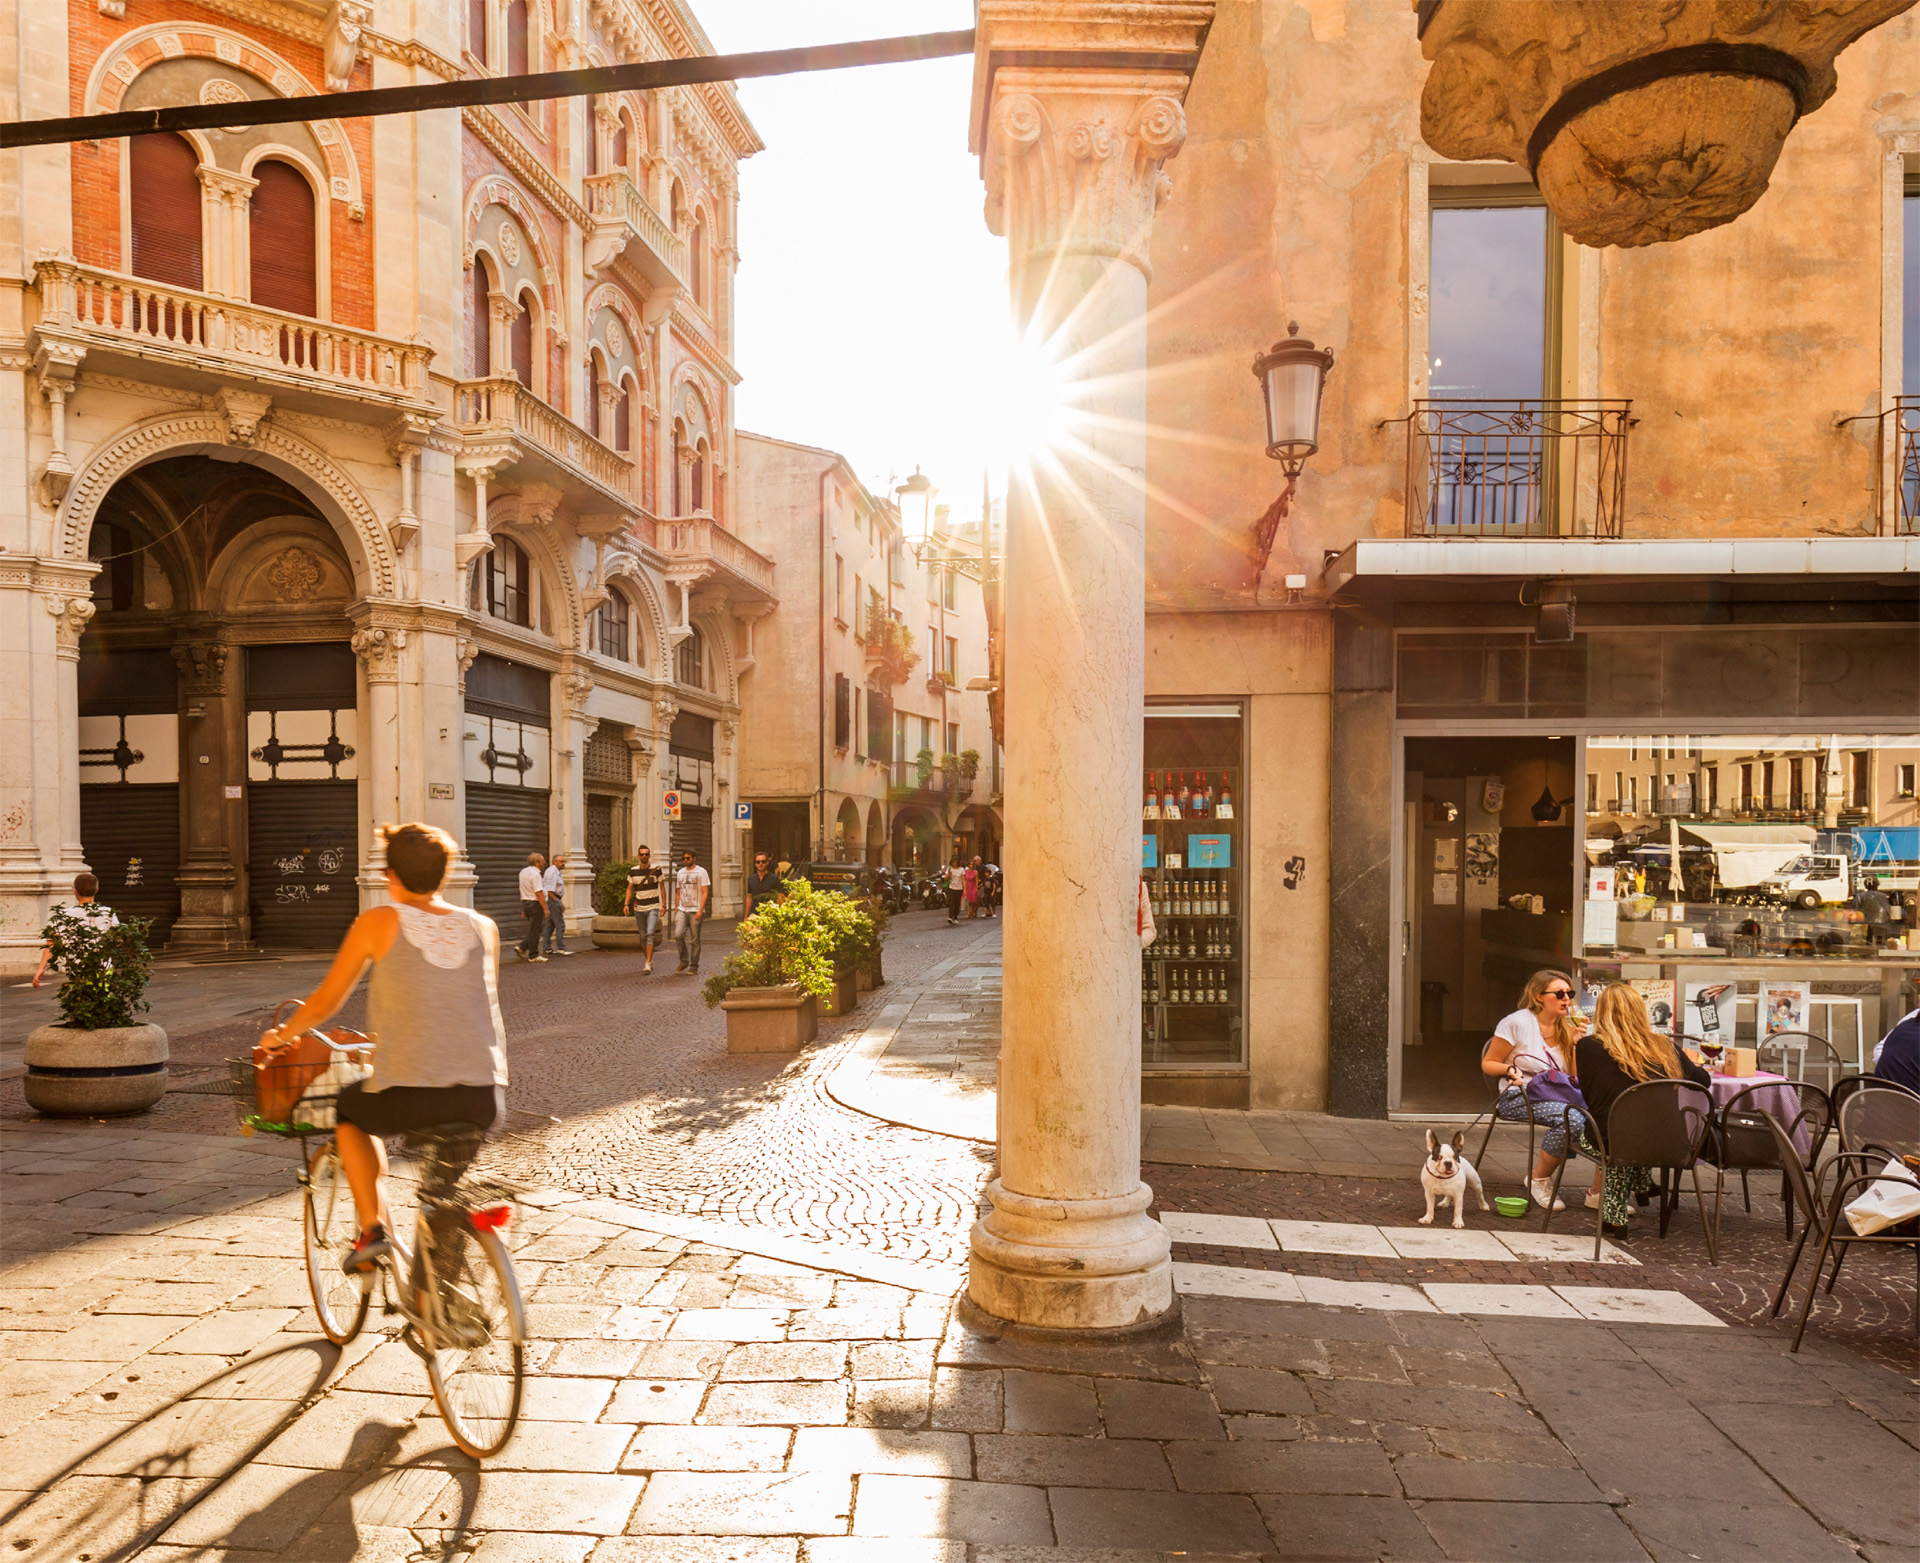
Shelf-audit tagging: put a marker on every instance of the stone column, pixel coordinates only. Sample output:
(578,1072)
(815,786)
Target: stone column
(1073,165)
(657,829)
(213,729)
(575,686)
(71,616)
(381,650)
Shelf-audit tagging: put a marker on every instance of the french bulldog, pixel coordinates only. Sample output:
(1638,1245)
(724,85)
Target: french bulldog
(1445,1176)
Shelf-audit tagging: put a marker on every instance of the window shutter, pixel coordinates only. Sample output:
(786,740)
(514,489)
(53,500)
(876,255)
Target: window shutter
(477,29)
(520,344)
(620,144)
(280,235)
(842,711)
(517,38)
(165,192)
(481,346)
(593,395)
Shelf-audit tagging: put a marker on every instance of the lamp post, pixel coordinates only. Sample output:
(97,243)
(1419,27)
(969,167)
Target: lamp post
(1292,375)
(915,498)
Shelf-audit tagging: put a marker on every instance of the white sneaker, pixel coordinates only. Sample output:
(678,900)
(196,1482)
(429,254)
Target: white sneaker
(1542,1191)
(1593,1202)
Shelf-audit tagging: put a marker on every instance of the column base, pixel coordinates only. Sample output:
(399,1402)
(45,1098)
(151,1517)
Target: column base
(1072,1265)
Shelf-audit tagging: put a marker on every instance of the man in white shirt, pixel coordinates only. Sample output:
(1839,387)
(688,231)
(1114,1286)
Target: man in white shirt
(691,888)
(553,938)
(533,906)
(85,888)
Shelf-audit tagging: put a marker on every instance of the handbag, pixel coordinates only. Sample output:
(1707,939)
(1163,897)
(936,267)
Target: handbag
(1892,1198)
(283,1075)
(1555,1085)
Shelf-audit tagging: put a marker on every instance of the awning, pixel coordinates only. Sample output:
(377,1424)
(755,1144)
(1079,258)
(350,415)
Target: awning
(1384,559)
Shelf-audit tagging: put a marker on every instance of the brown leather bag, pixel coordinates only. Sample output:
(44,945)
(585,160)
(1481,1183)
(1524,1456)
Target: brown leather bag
(281,1076)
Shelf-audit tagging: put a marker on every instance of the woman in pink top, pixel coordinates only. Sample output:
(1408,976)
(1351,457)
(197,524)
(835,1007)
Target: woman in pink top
(970,891)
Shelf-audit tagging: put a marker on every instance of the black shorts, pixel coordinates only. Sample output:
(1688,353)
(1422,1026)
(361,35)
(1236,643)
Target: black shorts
(403,1107)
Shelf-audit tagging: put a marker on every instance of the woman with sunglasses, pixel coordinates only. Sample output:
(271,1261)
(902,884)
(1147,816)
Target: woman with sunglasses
(1538,1036)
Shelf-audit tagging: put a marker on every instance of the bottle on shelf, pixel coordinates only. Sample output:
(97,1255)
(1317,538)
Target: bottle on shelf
(1193,952)
(1186,798)
(1170,801)
(1150,806)
(1226,941)
(1203,798)
(1224,808)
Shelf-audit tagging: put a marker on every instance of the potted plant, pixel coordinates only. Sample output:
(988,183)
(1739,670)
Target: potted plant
(97,1061)
(867,974)
(852,931)
(771,989)
(612,930)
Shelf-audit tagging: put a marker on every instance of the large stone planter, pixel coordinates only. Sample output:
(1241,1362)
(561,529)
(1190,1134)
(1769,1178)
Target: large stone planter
(770,1020)
(616,933)
(95,1074)
(844,999)
(866,981)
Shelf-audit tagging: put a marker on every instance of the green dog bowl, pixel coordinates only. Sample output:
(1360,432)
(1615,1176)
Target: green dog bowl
(1512,1206)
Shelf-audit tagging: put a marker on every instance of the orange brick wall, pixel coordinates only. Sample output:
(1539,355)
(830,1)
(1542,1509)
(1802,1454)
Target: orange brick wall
(96,165)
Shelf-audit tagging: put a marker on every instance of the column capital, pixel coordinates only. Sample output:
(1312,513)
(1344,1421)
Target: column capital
(203,666)
(71,616)
(379,648)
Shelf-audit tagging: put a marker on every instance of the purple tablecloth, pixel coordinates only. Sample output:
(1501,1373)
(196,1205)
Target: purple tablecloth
(1778,1103)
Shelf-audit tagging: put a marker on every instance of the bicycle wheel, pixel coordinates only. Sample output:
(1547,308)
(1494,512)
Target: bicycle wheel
(340,1300)
(477,1360)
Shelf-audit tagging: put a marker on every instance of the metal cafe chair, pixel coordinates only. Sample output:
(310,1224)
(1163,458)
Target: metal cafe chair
(1794,1053)
(1659,1124)
(1740,1140)
(1855,1172)
(1495,1085)
(1883,1113)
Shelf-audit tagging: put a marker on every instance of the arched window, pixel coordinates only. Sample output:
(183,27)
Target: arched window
(697,261)
(679,444)
(690,662)
(622,142)
(520,341)
(280,240)
(623,417)
(164,183)
(477,29)
(509,583)
(613,628)
(592,420)
(677,206)
(516,37)
(480,339)
(699,476)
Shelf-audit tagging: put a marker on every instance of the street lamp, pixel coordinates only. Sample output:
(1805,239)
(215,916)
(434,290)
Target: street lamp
(915,497)
(1292,374)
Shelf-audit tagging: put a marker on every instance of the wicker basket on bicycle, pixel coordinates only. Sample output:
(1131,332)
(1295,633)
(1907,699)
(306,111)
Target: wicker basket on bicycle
(294,1090)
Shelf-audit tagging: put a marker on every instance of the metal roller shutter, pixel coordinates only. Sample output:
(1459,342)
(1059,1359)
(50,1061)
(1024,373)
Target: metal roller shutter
(504,824)
(693,832)
(131,836)
(301,848)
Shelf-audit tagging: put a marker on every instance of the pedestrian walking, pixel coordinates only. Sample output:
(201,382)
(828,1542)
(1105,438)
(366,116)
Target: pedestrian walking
(554,935)
(643,904)
(990,896)
(533,906)
(765,883)
(956,888)
(970,890)
(85,888)
(691,889)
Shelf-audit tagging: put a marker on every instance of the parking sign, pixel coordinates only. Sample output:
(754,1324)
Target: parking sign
(670,803)
(743,815)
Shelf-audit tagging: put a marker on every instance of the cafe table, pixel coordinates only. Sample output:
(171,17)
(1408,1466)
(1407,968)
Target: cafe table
(1778,1100)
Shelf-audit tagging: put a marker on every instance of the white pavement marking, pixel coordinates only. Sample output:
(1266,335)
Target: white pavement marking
(1530,1302)
(1611,1305)
(1378,1295)
(1221,1281)
(1330,1237)
(1222,1231)
(1561,1248)
(1438,1242)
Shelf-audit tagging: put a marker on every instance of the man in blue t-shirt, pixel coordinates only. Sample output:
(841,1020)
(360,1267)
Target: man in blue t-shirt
(1897,1058)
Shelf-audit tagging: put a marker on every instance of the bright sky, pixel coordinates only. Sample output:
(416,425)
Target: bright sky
(872,301)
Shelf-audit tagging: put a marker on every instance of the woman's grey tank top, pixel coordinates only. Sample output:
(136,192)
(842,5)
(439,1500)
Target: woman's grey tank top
(432,1005)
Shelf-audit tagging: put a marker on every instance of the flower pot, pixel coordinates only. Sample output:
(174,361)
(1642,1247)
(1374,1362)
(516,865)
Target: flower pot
(616,933)
(770,1020)
(95,1074)
(863,981)
(844,999)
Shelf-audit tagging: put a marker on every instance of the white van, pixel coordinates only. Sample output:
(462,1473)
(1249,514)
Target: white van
(1812,879)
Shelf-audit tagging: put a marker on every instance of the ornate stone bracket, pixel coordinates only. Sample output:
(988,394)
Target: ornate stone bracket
(203,666)
(346,20)
(58,366)
(244,412)
(478,539)
(405,437)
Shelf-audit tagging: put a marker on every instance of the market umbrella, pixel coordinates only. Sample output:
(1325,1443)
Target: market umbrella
(1830,814)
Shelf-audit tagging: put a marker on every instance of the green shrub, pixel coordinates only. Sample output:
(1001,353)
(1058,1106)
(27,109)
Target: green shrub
(107,969)
(789,940)
(610,888)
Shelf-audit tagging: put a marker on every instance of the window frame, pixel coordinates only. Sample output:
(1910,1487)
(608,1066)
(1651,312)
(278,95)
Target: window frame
(605,622)
(498,571)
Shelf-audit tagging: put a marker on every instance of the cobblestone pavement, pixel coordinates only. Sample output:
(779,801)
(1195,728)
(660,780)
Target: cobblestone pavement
(702,1402)
(655,1112)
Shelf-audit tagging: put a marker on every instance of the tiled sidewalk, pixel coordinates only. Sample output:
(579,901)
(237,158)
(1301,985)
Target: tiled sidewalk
(695,1401)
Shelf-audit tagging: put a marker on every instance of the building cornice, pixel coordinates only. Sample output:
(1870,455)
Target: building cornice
(493,133)
(688,332)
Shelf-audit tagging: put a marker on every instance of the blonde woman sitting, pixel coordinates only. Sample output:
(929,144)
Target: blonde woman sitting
(1622,1051)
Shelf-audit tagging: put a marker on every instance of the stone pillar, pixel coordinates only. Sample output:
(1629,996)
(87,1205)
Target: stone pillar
(1073,165)
(575,686)
(381,651)
(656,828)
(213,757)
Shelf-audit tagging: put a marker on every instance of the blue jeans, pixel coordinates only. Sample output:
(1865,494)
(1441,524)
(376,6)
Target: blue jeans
(686,933)
(555,932)
(1562,1122)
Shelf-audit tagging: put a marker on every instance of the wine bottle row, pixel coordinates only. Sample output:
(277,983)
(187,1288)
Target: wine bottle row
(1172,798)
(1189,940)
(1186,985)
(1189,895)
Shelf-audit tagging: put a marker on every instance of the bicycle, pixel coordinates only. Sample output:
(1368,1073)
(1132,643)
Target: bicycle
(454,1288)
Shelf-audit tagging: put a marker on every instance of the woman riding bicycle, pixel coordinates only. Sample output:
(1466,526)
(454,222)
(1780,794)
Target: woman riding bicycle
(434,1014)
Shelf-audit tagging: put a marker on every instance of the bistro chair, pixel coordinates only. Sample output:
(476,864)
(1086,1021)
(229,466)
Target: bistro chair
(1854,1173)
(1884,1114)
(1845,1086)
(1793,1053)
(1741,1141)
(1659,1124)
(1495,1085)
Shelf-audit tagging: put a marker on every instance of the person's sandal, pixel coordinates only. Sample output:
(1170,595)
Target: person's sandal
(368,1250)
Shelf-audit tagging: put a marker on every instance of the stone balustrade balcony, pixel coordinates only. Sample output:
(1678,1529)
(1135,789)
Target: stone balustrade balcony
(205,340)
(700,552)
(624,219)
(536,444)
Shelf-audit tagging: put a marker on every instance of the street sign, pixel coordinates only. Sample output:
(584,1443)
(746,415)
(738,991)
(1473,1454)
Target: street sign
(743,815)
(670,803)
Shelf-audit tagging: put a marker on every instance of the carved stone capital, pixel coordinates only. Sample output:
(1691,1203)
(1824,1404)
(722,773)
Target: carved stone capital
(203,666)
(346,20)
(464,652)
(1640,123)
(576,685)
(244,411)
(380,650)
(71,616)
(664,711)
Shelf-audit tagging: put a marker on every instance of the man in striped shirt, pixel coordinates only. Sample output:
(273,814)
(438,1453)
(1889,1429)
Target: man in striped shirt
(643,904)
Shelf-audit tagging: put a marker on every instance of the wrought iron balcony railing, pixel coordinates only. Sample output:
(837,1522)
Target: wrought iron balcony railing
(1524,468)
(1900,501)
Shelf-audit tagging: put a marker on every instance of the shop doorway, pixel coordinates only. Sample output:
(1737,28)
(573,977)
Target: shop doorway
(1488,882)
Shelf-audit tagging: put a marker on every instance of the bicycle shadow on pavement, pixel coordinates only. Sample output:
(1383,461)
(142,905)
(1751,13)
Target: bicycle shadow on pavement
(114,1487)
